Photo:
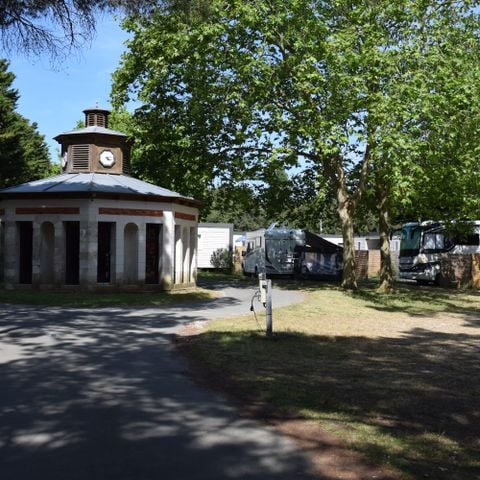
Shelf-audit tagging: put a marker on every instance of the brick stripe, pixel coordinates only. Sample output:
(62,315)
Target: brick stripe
(130,211)
(185,216)
(47,210)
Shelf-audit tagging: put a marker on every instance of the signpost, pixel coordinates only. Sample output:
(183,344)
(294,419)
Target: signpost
(266,299)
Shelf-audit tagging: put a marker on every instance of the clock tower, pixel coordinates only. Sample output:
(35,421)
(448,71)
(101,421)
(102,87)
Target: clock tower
(95,148)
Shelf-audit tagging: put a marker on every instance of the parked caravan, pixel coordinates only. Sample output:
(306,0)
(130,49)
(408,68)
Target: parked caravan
(274,250)
(320,258)
(422,244)
(291,251)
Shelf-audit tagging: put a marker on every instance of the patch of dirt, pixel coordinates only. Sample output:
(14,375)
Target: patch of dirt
(330,458)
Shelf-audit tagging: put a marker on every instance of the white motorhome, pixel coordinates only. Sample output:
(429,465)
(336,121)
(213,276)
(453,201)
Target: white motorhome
(291,251)
(274,250)
(422,244)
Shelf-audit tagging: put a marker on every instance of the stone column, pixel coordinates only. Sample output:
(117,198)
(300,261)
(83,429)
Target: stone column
(36,253)
(167,253)
(88,252)
(186,254)
(178,257)
(59,254)
(119,253)
(11,254)
(142,238)
(193,254)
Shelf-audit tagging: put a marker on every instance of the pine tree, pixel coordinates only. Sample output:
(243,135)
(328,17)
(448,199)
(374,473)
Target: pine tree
(23,152)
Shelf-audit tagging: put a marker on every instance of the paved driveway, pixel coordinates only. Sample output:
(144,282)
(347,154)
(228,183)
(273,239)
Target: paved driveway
(99,394)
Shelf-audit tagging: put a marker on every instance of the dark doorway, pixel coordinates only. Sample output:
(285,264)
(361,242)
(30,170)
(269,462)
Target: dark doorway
(152,253)
(25,230)
(104,263)
(72,253)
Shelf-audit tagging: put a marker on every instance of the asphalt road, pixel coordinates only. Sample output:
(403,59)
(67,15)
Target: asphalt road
(100,394)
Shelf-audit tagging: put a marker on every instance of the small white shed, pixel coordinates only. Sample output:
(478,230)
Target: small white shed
(211,237)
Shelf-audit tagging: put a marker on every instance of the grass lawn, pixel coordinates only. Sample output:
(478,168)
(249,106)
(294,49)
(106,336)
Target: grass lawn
(94,299)
(395,377)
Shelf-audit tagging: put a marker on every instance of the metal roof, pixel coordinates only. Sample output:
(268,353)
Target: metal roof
(104,183)
(94,129)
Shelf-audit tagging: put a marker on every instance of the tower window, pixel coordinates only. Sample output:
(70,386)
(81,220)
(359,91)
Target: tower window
(80,155)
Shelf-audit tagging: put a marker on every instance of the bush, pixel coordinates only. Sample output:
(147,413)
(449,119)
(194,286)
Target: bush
(222,259)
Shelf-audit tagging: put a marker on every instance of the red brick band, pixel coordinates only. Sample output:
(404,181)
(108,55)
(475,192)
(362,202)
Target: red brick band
(130,211)
(47,210)
(185,216)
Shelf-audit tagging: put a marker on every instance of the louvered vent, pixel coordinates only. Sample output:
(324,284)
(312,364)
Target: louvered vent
(80,156)
(126,163)
(96,119)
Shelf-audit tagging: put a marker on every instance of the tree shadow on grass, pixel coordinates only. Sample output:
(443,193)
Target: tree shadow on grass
(411,402)
(427,301)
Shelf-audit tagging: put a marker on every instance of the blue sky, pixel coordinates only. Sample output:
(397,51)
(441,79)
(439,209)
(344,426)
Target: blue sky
(55,96)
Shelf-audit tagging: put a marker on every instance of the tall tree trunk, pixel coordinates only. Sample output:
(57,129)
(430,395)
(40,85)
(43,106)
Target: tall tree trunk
(345,212)
(386,268)
(347,203)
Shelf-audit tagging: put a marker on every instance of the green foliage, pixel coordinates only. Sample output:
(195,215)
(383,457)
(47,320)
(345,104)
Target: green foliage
(364,94)
(56,26)
(222,259)
(23,152)
(238,205)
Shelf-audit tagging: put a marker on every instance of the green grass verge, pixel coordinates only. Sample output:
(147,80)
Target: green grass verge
(396,377)
(93,299)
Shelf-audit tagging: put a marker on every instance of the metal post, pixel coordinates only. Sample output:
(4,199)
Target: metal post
(268,307)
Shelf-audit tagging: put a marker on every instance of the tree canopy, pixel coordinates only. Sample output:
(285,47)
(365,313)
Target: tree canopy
(23,151)
(355,91)
(55,26)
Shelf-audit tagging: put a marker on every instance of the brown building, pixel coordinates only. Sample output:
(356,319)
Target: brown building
(94,226)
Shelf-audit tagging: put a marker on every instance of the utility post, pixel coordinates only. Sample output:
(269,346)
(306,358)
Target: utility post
(268,306)
(265,287)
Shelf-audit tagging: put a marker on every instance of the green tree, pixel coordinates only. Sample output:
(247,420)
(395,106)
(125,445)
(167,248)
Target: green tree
(32,26)
(23,152)
(234,204)
(242,88)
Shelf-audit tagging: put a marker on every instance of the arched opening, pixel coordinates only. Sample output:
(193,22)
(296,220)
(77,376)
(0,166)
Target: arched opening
(47,250)
(152,253)
(25,251)
(130,253)
(72,253)
(105,252)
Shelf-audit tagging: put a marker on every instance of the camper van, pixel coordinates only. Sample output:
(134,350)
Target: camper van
(290,251)
(422,243)
(274,250)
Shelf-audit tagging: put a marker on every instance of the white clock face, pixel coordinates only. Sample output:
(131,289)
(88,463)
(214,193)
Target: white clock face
(107,158)
(64,159)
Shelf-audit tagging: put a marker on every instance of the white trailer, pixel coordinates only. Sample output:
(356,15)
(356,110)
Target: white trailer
(211,237)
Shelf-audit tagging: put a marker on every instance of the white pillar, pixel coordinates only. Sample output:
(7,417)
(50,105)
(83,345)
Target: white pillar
(88,252)
(11,254)
(168,250)
(119,253)
(59,254)
(142,238)
(36,253)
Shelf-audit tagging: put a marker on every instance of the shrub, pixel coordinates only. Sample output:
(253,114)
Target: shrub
(222,259)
